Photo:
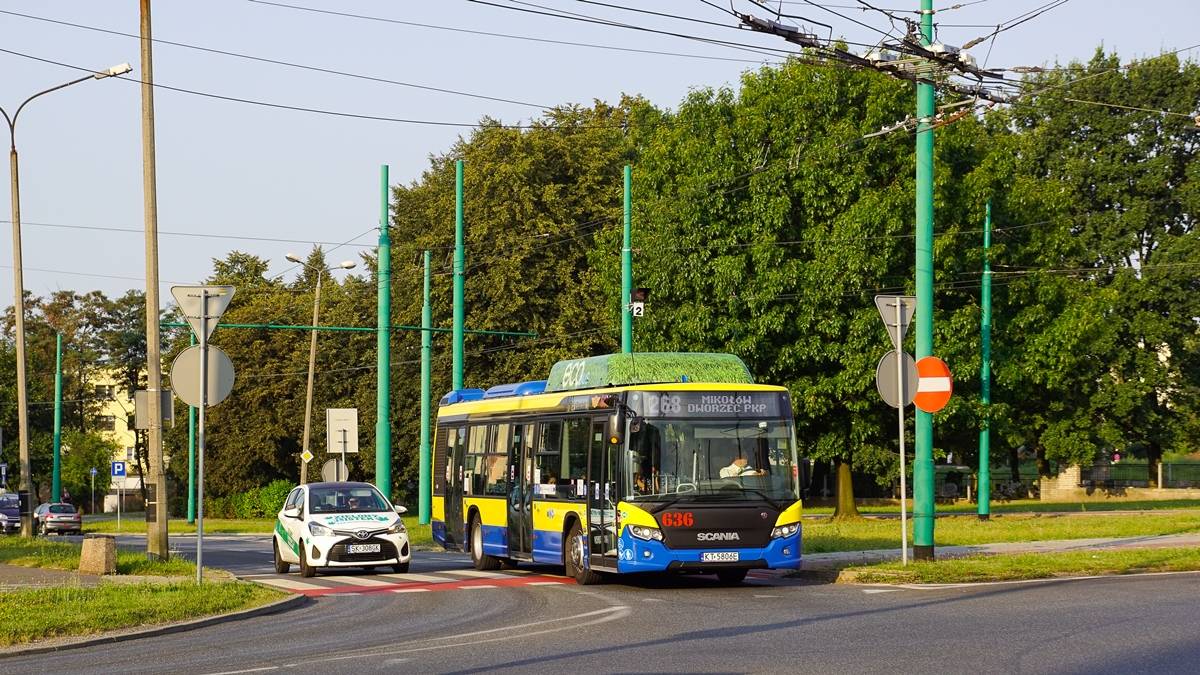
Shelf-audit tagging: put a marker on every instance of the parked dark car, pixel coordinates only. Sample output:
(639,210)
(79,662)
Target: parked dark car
(60,518)
(10,513)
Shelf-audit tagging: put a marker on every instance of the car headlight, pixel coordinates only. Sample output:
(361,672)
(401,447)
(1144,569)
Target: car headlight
(646,533)
(785,531)
(3,517)
(318,530)
(397,527)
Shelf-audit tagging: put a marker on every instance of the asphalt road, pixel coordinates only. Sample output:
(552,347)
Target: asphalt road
(682,624)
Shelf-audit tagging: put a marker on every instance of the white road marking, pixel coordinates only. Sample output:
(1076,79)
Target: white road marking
(411,590)
(467,588)
(426,578)
(766,596)
(881,590)
(545,583)
(290,584)
(251,670)
(359,581)
(477,574)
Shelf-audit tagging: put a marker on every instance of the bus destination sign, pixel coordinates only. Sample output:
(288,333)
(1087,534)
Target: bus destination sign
(715,404)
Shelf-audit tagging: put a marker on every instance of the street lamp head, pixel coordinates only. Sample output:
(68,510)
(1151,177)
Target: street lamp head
(116,70)
(348,265)
(294,258)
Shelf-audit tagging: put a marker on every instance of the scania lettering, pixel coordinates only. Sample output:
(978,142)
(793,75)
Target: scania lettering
(622,463)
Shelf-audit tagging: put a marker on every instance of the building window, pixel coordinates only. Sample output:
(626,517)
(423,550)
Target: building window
(128,454)
(105,392)
(106,423)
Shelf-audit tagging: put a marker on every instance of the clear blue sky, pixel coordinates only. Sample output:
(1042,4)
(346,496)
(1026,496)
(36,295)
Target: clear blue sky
(232,169)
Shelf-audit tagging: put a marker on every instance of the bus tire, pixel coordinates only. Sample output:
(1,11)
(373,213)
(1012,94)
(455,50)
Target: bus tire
(732,577)
(482,560)
(573,558)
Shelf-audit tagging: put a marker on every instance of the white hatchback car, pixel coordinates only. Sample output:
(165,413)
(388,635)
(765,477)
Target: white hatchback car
(339,525)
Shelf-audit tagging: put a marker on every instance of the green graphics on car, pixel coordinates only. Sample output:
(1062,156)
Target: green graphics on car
(647,368)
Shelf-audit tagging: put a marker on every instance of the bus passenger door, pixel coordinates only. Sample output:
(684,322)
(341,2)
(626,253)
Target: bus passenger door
(520,492)
(455,440)
(602,498)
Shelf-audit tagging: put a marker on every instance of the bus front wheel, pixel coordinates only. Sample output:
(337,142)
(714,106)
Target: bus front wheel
(575,555)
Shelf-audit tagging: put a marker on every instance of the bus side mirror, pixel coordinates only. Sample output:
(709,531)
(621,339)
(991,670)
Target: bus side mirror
(805,474)
(614,431)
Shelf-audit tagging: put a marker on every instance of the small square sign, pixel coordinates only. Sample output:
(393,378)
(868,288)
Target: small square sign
(118,469)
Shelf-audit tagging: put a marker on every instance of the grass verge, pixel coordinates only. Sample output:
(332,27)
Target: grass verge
(57,555)
(40,613)
(418,535)
(824,536)
(1031,566)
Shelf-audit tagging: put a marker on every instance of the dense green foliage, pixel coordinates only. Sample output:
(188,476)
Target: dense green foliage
(764,223)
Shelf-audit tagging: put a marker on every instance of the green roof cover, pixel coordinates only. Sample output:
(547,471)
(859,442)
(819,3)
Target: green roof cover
(647,368)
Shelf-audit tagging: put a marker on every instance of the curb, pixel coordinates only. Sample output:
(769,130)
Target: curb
(272,608)
(824,576)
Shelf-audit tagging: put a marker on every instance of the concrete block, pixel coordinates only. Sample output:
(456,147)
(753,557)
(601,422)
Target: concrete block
(99,554)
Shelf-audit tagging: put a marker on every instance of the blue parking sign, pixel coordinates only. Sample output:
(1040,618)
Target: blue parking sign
(118,469)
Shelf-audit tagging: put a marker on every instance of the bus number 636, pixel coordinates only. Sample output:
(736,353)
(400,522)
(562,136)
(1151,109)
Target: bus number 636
(674,519)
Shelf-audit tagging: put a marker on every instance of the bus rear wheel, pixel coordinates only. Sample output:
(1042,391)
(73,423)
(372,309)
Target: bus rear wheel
(482,560)
(574,559)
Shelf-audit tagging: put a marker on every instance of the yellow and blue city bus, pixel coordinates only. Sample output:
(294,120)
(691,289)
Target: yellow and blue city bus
(622,463)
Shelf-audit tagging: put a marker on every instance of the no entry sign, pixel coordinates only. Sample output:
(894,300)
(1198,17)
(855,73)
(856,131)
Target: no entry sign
(934,384)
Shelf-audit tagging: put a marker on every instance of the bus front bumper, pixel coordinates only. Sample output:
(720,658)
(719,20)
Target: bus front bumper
(637,555)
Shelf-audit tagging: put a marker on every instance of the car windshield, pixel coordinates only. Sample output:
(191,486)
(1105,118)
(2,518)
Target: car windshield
(62,508)
(348,499)
(8,502)
(712,460)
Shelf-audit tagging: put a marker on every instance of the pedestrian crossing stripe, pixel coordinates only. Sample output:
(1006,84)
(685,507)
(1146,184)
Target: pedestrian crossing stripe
(340,585)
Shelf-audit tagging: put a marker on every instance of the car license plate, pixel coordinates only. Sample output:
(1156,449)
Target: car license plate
(362,548)
(720,556)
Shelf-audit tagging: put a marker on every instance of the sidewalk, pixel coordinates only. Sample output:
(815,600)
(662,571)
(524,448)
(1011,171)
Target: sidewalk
(16,577)
(816,561)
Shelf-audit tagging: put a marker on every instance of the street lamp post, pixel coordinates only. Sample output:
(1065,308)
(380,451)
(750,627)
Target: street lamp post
(312,356)
(26,484)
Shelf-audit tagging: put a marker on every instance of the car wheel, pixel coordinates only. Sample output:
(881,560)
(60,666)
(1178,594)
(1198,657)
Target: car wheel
(482,560)
(43,530)
(574,559)
(400,568)
(306,570)
(281,566)
(732,576)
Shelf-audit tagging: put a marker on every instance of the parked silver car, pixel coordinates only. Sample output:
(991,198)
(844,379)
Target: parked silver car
(60,518)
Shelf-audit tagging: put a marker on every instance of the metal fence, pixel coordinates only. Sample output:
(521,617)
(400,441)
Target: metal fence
(1128,474)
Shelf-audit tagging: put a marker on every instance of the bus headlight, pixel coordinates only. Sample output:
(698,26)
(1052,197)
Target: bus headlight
(785,531)
(318,530)
(646,533)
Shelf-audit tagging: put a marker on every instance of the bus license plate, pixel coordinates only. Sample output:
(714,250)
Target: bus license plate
(362,548)
(720,556)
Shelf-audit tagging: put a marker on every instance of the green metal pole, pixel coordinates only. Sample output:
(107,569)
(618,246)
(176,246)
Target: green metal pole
(56,482)
(923,503)
(457,353)
(985,375)
(425,499)
(627,273)
(383,407)
(192,455)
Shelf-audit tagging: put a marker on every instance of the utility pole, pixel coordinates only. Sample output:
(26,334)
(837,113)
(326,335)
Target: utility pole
(191,515)
(312,366)
(56,481)
(984,489)
(157,545)
(923,504)
(383,404)
(457,353)
(425,495)
(627,273)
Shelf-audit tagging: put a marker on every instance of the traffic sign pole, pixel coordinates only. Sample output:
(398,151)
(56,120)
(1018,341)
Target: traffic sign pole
(200,436)
(900,417)
(984,488)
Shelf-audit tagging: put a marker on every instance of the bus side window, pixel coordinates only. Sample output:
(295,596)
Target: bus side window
(547,464)
(474,471)
(573,474)
(497,460)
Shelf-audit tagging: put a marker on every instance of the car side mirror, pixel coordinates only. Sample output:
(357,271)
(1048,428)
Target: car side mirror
(292,513)
(400,508)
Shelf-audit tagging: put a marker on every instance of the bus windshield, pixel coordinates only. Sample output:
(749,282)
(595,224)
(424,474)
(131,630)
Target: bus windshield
(712,460)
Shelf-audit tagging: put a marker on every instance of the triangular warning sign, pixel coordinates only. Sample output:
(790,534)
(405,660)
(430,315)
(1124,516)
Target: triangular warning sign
(203,302)
(887,306)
